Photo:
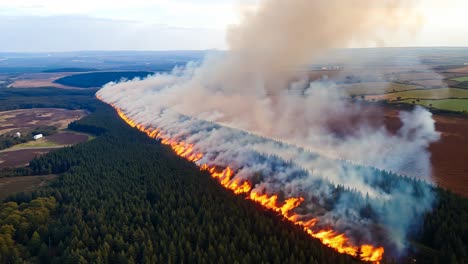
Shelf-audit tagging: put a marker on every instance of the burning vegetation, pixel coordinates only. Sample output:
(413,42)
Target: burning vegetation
(329,237)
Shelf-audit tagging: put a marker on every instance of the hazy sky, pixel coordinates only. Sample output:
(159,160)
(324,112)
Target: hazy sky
(65,25)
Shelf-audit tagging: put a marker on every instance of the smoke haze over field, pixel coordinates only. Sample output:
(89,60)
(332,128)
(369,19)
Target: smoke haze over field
(254,88)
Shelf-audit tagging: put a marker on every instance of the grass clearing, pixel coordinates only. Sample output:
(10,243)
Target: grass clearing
(40,143)
(371,88)
(439,93)
(460,79)
(457,105)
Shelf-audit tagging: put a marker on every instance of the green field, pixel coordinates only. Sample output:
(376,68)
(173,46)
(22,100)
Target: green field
(40,143)
(460,79)
(458,105)
(376,88)
(440,93)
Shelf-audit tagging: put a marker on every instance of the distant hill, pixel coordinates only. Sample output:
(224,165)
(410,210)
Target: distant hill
(98,79)
(70,70)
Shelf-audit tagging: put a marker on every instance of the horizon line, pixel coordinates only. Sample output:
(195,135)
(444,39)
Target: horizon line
(224,50)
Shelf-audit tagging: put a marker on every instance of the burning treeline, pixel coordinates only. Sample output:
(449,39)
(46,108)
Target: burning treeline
(341,219)
(239,116)
(285,207)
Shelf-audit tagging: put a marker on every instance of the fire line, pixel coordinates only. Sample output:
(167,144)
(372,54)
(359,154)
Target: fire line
(225,177)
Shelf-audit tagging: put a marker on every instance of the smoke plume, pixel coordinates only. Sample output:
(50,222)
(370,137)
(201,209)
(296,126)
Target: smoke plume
(251,109)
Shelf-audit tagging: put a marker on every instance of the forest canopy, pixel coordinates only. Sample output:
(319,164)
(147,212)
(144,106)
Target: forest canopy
(126,198)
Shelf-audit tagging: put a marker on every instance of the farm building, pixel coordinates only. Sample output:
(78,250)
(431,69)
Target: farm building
(18,134)
(38,136)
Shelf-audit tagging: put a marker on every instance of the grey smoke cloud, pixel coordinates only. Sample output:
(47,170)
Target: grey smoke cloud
(248,109)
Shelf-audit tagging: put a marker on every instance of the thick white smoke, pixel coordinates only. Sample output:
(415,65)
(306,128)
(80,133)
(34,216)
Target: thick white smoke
(250,110)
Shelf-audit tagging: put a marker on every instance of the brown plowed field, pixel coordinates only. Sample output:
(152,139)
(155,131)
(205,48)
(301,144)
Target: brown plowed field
(450,154)
(460,70)
(67,138)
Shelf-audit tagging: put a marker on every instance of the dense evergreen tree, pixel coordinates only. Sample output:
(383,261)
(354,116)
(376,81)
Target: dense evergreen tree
(125,198)
(98,79)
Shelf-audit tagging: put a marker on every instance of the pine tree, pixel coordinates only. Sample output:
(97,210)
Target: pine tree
(34,244)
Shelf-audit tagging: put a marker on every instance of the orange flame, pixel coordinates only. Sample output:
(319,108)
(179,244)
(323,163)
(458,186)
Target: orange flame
(329,237)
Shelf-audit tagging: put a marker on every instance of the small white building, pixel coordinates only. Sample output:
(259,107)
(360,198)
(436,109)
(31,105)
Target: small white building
(18,134)
(38,136)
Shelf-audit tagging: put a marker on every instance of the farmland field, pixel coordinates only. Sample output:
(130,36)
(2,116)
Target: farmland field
(417,76)
(367,88)
(40,143)
(460,70)
(26,121)
(457,105)
(68,138)
(461,79)
(440,93)
(35,80)
(432,83)
(60,139)
(448,155)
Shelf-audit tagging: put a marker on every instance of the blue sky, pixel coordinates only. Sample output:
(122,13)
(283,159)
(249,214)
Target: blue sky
(65,25)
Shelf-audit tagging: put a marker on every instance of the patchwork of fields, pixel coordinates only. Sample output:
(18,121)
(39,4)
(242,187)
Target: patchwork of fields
(26,121)
(445,89)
